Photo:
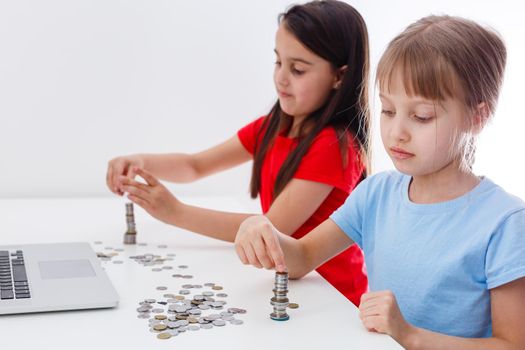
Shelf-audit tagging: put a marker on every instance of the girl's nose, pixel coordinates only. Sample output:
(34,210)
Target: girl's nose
(399,130)
(281,78)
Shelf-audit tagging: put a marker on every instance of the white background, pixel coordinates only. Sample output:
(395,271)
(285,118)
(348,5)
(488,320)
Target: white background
(84,81)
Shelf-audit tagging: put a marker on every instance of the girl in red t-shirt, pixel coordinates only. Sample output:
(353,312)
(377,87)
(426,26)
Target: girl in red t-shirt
(308,153)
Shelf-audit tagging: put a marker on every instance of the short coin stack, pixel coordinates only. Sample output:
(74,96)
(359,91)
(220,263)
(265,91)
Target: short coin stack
(280,300)
(131,233)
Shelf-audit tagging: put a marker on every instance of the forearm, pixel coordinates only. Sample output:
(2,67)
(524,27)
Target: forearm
(295,256)
(173,167)
(422,339)
(212,223)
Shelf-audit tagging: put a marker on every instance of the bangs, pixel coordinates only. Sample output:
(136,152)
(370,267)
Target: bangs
(423,69)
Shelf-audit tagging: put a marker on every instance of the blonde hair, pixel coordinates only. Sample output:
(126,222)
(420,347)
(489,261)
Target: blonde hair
(443,57)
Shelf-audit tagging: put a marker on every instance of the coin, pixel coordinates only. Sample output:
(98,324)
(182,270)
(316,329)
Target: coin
(160,317)
(164,335)
(162,288)
(293,305)
(236,321)
(219,323)
(183,266)
(215,287)
(160,327)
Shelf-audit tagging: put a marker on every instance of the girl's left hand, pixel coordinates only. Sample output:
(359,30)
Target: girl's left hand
(380,313)
(153,196)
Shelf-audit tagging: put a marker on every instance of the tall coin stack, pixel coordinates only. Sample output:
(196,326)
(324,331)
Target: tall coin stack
(131,233)
(280,300)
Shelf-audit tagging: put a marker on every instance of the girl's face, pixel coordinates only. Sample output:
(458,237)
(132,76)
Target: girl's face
(302,79)
(421,136)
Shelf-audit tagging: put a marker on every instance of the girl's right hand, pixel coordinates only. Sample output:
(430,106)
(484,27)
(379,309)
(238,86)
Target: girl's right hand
(121,166)
(257,243)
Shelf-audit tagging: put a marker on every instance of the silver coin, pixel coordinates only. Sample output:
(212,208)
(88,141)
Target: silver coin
(156,269)
(157,311)
(197,286)
(228,318)
(184,292)
(193,328)
(187,276)
(187,286)
(118,262)
(169,296)
(167,267)
(143,309)
(143,315)
(150,301)
(177,275)
(183,266)
(221,295)
(162,288)
(206,326)
(119,249)
(219,323)
(209,284)
(208,293)
(226,313)
(173,332)
(173,324)
(204,307)
(236,321)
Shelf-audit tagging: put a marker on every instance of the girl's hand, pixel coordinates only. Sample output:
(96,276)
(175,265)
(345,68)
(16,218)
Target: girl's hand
(153,196)
(121,166)
(257,243)
(380,313)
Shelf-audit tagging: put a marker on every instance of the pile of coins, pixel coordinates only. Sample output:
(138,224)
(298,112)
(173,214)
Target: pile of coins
(187,314)
(280,300)
(131,233)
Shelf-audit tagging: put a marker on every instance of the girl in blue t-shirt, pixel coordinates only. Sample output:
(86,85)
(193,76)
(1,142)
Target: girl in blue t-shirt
(444,248)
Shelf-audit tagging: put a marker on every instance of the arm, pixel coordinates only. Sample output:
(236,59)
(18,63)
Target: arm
(260,244)
(179,167)
(290,210)
(379,312)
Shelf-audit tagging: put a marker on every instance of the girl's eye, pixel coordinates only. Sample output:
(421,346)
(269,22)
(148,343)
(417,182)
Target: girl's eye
(278,63)
(387,113)
(296,71)
(422,119)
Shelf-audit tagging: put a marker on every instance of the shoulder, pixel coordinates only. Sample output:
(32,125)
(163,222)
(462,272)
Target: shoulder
(493,196)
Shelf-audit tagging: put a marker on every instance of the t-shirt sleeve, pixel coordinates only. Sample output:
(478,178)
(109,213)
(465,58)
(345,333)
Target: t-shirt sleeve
(248,134)
(349,217)
(505,259)
(323,163)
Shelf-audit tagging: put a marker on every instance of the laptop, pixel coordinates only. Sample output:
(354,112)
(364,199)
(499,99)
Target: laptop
(52,277)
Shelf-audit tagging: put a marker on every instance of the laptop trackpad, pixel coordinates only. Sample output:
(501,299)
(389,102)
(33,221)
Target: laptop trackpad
(65,269)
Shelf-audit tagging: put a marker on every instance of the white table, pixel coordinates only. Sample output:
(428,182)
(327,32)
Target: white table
(325,318)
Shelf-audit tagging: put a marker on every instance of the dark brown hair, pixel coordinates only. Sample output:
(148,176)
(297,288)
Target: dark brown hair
(336,32)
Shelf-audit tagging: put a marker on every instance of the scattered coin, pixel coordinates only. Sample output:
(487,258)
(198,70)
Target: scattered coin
(293,305)
(164,335)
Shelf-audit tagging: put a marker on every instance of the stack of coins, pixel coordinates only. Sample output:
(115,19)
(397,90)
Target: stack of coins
(280,300)
(131,233)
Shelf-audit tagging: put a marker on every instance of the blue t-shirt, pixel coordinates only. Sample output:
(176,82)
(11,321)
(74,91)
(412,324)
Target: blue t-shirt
(440,260)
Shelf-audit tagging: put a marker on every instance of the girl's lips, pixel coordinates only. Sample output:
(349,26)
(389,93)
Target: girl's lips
(399,153)
(284,94)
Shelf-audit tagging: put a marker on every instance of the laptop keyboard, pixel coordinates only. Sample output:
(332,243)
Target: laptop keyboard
(13,277)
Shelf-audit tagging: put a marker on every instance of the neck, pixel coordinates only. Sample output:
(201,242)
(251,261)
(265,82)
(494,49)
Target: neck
(296,125)
(443,185)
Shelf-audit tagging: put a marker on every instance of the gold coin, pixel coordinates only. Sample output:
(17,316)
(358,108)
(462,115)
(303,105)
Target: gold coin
(216,288)
(293,305)
(179,297)
(192,319)
(164,335)
(160,327)
(160,317)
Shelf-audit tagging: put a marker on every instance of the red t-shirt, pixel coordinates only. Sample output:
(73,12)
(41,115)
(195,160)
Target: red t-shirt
(321,163)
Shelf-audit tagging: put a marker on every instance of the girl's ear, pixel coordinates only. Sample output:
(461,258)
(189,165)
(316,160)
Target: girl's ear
(339,74)
(480,117)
